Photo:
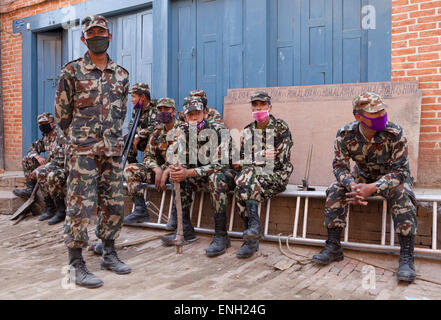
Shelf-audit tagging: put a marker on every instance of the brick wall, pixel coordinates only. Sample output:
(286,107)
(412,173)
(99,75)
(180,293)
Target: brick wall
(416,47)
(11,70)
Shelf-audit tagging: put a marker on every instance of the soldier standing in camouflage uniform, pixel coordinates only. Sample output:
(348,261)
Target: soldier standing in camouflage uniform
(212,173)
(141,99)
(212,113)
(90,107)
(154,169)
(265,169)
(379,150)
(49,173)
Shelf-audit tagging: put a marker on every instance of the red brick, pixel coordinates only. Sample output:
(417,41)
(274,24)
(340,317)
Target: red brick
(404,9)
(430,5)
(403,52)
(420,27)
(396,3)
(429,64)
(407,22)
(423,57)
(425,49)
(424,42)
(433,85)
(419,72)
(406,36)
(428,129)
(427,19)
(400,17)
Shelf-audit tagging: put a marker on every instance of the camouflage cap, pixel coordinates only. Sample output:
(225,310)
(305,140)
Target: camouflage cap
(261,96)
(200,94)
(45,117)
(194,104)
(94,21)
(166,102)
(369,102)
(140,87)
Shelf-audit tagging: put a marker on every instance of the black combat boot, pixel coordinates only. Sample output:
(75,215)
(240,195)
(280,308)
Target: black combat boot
(172,220)
(60,214)
(140,214)
(220,241)
(189,235)
(254,228)
(406,269)
(248,248)
(110,260)
(49,209)
(27,191)
(332,250)
(82,276)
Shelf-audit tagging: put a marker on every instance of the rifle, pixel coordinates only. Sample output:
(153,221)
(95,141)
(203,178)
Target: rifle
(128,143)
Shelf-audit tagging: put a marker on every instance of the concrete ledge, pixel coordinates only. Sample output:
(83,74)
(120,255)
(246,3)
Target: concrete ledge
(9,203)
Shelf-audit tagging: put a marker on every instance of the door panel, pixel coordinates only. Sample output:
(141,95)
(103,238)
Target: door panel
(49,66)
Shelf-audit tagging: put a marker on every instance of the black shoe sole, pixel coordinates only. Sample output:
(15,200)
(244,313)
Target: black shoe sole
(51,223)
(114,271)
(406,279)
(44,219)
(317,261)
(90,286)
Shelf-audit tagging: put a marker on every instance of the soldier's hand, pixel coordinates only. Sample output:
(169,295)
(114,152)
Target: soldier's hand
(135,144)
(164,178)
(178,173)
(360,192)
(158,176)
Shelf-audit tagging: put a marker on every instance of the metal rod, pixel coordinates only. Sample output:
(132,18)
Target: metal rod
(259,209)
(192,204)
(201,203)
(232,214)
(347,224)
(170,207)
(296,218)
(268,209)
(383,223)
(305,217)
(161,207)
(435,225)
(392,230)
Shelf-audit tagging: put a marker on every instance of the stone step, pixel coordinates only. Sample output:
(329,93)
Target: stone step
(9,203)
(11,180)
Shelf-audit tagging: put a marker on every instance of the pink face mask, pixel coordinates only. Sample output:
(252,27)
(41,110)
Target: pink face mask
(261,116)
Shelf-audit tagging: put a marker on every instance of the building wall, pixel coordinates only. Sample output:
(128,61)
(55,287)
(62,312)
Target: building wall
(416,47)
(11,51)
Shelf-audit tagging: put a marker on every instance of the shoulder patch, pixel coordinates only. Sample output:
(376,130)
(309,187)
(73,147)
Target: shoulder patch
(394,128)
(348,127)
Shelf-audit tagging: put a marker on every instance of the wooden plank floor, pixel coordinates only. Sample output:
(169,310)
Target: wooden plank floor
(32,257)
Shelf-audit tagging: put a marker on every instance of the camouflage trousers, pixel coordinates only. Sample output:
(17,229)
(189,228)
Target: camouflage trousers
(93,180)
(400,200)
(218,185)
(132,155)
(251,185)
(51,180)
(136,174)
(29,165)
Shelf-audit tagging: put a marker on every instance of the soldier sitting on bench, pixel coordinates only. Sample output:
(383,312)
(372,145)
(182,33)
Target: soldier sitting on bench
(379,149)
(48,172)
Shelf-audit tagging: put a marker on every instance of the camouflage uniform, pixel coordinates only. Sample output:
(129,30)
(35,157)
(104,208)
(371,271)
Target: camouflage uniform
(252,183)
(90,108)
(215,177)
(51,177)
(154,156)
(146,124)
(382,161)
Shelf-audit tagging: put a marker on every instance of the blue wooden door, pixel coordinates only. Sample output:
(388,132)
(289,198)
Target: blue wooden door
(49,65)
(209,50)
(183,50)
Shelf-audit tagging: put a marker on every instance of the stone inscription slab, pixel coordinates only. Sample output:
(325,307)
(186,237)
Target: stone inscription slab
(315,113)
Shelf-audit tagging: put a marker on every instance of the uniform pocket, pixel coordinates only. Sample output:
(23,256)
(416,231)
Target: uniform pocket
(87,93)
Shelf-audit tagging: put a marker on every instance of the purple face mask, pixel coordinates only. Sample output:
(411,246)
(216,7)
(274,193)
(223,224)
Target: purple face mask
(377,124)
(164,117)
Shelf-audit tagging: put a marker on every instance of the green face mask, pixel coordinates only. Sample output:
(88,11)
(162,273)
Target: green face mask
(98,44)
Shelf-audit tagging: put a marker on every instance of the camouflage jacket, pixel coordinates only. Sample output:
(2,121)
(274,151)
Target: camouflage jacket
(382,160)
(91,105)
(155,154)
(190,158)
(283,143)
(147,121)
(54,145)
